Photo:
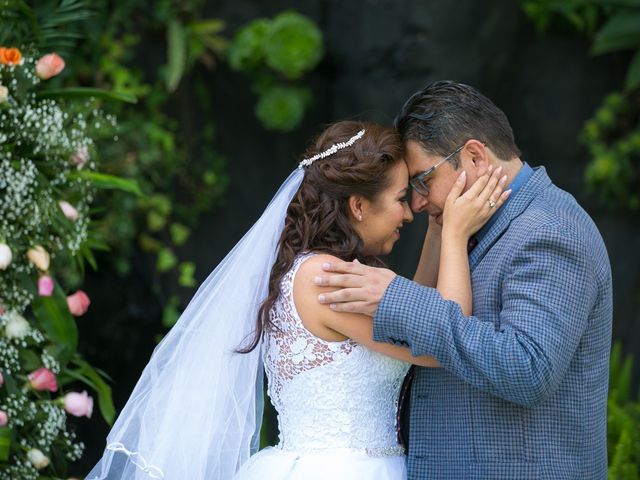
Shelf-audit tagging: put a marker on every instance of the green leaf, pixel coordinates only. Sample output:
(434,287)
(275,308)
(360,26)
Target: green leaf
(166,260)
(177,46)
(90,376)
(148,243)
(179,233)
(109,182)
(622,31)
(632,80)
(187,269)
(84,92)
(156,221)
(30,360)
(170,312)
(5,443)
(54,317)
(209,26)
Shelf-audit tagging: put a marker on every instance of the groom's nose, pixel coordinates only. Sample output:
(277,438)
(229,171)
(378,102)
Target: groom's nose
(418,202)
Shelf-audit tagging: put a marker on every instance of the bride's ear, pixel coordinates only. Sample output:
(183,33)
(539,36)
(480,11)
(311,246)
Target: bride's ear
(356,207)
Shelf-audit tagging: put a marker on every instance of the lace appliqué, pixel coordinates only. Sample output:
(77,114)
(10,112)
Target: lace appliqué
(291,349)
(337,395)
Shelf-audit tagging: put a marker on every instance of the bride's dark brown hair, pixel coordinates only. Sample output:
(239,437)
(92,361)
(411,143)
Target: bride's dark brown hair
(318,218)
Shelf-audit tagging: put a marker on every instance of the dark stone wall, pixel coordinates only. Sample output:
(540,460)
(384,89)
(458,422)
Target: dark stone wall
(378,52)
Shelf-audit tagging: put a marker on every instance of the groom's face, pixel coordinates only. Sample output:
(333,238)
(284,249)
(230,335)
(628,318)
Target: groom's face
(439,181)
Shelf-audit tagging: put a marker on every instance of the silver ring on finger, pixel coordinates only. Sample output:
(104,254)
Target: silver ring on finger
(492,204)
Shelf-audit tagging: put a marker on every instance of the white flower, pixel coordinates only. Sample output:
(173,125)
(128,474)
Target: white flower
(302,350)
(39,257)
(5,256)
(69,211)
(4,93)
(17,326)
(37,458)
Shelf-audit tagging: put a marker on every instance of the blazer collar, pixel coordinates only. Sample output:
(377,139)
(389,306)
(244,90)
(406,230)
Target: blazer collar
(514,207)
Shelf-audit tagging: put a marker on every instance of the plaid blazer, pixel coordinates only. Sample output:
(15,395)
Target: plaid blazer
(523,389)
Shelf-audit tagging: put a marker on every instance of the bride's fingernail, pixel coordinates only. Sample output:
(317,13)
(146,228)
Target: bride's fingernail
(321,298)
(317,280)
(503,179)
(326,266)
(507,192)
(462,175)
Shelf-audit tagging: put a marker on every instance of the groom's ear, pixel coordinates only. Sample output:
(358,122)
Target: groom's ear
(478,154)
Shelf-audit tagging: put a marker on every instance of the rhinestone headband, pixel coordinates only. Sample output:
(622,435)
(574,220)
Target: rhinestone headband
(331,150)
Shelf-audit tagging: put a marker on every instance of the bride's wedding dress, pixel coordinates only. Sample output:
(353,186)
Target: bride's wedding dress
(336,404)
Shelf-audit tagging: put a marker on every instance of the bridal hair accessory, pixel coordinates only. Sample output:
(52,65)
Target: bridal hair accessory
(332,149)
(197,408)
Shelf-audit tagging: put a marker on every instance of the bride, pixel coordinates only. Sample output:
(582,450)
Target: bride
(196,410)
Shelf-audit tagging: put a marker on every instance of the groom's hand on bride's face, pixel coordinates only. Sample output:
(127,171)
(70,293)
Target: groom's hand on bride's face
(360,287)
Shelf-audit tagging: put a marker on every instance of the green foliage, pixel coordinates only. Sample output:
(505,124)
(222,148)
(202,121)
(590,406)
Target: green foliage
(612,135)
(623,420)
(615,24)
(293,45)
(50,139)
(583,15)
(53,25)
(245,51)
(282,107)
(276,53)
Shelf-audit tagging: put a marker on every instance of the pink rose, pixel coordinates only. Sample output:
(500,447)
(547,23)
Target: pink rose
(45,286)
(3,418)
(78,303)
(43,379)
(69,211)
(78,404)
(49,66)
(80,157)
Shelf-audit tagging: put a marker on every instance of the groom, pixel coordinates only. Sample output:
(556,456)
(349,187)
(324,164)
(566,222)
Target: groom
(523,389)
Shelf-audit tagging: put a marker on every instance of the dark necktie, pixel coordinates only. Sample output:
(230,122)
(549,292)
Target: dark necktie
(471,244)
(402,416)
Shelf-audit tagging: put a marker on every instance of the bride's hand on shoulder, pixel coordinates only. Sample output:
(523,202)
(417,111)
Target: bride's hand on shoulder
(465,213)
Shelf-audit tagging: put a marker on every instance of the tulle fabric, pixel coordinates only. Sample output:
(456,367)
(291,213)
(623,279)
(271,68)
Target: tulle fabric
(196,410)
(274,463)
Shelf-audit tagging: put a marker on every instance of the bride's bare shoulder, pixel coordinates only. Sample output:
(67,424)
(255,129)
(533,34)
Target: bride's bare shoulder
(305,296)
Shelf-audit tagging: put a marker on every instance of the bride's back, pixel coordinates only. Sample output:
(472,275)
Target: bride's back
(328,394)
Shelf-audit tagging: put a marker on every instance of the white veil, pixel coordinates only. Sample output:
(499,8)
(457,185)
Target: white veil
(196,411)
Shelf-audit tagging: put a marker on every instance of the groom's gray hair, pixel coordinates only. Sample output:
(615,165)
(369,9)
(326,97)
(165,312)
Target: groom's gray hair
(445,114)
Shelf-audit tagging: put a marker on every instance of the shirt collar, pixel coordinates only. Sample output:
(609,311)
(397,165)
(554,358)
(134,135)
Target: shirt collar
(519,180)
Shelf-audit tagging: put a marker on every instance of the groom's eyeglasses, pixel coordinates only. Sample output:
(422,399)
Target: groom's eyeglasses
(419,182)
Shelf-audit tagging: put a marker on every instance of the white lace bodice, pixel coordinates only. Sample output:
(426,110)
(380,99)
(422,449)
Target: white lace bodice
(328,394)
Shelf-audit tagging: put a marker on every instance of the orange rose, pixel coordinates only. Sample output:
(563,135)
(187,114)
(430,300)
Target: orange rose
(10,56)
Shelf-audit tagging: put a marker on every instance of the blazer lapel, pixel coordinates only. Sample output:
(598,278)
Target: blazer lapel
(510,210)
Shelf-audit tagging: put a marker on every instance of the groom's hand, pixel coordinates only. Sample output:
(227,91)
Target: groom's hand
(360,287)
